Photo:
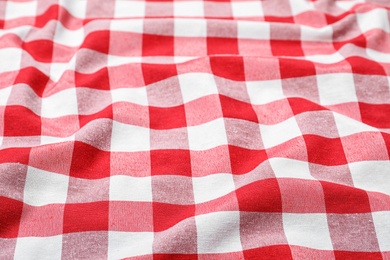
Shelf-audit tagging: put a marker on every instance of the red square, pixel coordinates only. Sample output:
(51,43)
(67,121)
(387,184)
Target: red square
(217,161)
(157,45)
(98,41)
(233,108)
(228,67)
(325,151)
(97,80)
(40,50)
(260,196)
(129,216)
(41,221)
(89,162)
(342,199)
(173,161)
(352,255)
(33,77)
(364,146)
(364,66)
(222,45)
(376,115)
(167,117)
(292,68)
(135,164)
(10,213)
(286,48)
(167,215)
(269,252)
(244,160)
(15,155)
(83,217)
(21,121)
(156,72)
(54,158)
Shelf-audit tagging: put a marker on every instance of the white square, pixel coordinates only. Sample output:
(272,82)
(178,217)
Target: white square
(374,19)
(132,95)
(212,187)
(75,8)
(129,9)
(43,188)
(336,88)
(324,34)
(10,59)
(71,38)
(128,244)
(188,8)
(326,58)
(4,95)
(63,103)
(273,135)
(300,6)
(218,232)
(129,138)
(308,230)
(128,25)
(190,27)
(289,168)
(127,188)
(53,139)
(263,92)
(197,85)
(49,248)
(208,135)
(253,30)
(382,229)
(371,175)
(247,9)
(57,70)
(348,126)
(16,10)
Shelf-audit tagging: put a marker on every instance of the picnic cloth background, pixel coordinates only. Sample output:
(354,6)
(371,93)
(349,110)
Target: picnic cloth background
(195,129)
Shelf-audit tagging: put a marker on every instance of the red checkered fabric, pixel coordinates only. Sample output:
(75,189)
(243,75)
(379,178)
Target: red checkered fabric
(188,129)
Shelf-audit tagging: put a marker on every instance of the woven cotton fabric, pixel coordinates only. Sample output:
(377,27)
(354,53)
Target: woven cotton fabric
(195,129)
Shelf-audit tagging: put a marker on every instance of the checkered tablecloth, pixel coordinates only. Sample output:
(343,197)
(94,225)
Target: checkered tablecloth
(193,129)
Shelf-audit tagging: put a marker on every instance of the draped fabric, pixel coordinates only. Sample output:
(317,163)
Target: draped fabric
(188,129)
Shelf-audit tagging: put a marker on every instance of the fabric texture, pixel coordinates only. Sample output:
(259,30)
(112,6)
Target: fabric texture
(195,129)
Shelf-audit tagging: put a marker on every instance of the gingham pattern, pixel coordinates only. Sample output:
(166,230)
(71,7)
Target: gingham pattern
(195,129)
